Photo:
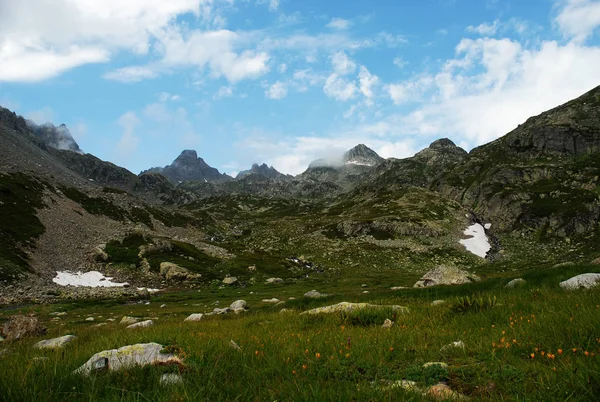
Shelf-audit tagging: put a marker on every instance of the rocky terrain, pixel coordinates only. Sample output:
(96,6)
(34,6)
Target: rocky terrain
(535,190)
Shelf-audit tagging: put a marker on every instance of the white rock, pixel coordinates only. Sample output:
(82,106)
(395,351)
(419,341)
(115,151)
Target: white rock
(55,343)
(441,364)
(438,302)
(194,317)
(585,281)
(274,280)
(58,314)
(313,294)
(239,310)
(140,354)
(230,280)
(398,287)
(163,305)
(218,311)
(273,300)
(143,324)
(515,283)
(346,307)
(126,320)
(388,323)
(234,345)
(446,275)
(170,379)
(365,292)
(238,304)
(110,320)
(90,319)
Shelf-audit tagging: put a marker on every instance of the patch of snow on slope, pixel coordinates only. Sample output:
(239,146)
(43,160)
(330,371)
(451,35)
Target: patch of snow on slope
(358,163)
(478,243)
(92,279)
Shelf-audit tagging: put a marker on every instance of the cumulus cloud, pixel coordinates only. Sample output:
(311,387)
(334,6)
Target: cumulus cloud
(339,88)
(342,64)
(485,29)
(277,91)
(223,92)
(578,19)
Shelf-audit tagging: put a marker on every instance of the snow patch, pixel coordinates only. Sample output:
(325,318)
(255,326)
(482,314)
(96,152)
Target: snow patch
(358,163)
(92,279)
(149,290)
(478,243)
(487,226)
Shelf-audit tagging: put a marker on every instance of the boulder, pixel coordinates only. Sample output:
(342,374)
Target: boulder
(219,311)
(20,326)
(99,254)
(515,283)
(347,307)
(54,343)
(174,272)
(126,320)
(90,319)
(440,364)
(584,281)
(313,294)
(194,317)
(238,304)
(444,275)
(230,280)
(141,354)
(274,280)
(142,324)
(57,314)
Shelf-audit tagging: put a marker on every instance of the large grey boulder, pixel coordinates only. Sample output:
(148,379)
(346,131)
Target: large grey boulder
(20,326)
(141,354)
(348,307)
(172,271)
(55,343)
(585,281)
(444,275)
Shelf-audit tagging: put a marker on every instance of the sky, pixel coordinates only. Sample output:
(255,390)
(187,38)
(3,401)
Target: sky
(285,82)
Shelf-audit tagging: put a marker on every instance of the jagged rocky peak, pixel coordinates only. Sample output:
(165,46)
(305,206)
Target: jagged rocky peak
(443,143)
(55,137)
(262,170)
(362,155)
(441,152)
(189,167)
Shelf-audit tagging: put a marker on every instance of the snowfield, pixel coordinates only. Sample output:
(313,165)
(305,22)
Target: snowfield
(92,279)
(478,243)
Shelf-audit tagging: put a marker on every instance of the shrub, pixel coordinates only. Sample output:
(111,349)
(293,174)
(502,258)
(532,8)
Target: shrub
(473,303)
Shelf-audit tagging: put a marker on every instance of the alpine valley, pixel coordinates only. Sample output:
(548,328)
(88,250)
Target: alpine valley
(93,240)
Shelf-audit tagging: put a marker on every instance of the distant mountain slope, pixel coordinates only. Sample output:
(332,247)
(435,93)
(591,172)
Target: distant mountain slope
(262,170)
(55,137)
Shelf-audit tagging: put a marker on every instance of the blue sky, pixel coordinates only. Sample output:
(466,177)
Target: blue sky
(285,82)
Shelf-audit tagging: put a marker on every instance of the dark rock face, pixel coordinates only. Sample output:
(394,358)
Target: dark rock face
(189,167)
(92,168)
(55,137)
(262,170)
(362,155)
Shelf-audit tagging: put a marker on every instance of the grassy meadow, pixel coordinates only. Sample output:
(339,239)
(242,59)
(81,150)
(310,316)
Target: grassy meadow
(537,342)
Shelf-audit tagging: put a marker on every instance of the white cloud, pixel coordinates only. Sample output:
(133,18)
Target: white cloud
(367,82)
(339,88)
(42,116)
(342,64)
(411,90)
(338,23)
(485,29)
(165,96)
(223,92)
(282,68)
(273,5)
(132,74)
(578,19)
(129,141)
(277,91)
(399,62)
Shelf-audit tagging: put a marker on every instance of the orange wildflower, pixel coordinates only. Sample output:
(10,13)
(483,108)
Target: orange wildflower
(318,355)
(560,351)
(532,355)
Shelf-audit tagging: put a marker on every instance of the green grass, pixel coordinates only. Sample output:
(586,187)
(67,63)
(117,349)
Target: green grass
(331,357)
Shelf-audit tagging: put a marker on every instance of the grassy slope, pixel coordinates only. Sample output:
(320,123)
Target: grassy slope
(293,357)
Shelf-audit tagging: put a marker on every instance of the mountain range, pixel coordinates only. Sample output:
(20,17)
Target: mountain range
(536,189)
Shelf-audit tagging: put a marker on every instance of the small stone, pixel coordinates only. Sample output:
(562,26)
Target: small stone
(234,345)
(438,302)
(313,294)
(398,288)
(126,320)
(54,343)
(163,305)
(364,285)
(365,292)
(273,300)
(285,310)
(194,317)
(218,311)
(441,364)
(143,324)
(238,304)
(515,283)
(274,280)
(90,319)
(171,379)
(110,320)
(388,323)
(230,280)
(58,314)
(99,325)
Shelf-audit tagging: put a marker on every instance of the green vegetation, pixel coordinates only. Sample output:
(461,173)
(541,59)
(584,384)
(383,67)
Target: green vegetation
(95,205)
(20,197)
(536,343)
